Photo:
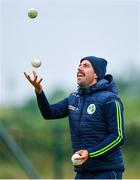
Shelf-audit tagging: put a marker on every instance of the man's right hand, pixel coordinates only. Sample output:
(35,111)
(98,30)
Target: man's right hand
(35,82)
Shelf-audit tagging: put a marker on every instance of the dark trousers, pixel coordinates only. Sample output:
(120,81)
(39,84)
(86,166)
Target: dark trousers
(108,174)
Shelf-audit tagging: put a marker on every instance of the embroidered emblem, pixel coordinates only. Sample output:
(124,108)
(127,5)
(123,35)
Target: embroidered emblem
(72,107)
(91,109)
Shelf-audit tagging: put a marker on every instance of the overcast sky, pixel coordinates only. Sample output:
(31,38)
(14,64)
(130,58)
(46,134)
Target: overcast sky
(63,33)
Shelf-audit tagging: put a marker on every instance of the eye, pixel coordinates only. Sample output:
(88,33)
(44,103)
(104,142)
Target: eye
(85,65)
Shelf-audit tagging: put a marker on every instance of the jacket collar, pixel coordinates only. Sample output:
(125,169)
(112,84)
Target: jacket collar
(106,84)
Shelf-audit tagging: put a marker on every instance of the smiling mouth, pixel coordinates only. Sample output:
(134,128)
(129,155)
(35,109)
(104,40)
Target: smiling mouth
(80,75)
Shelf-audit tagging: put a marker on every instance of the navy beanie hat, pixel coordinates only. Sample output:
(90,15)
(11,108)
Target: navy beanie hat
(98,64)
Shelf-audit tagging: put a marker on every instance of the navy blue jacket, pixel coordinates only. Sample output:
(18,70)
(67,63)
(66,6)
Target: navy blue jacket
(96,123)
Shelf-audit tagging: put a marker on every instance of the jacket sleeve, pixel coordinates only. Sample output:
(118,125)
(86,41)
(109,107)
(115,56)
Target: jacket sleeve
(115,126)
(54,111)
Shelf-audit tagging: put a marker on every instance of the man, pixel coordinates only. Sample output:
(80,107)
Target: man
(95,117)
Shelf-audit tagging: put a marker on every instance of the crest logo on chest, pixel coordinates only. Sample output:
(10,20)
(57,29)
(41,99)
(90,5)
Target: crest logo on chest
(91,109)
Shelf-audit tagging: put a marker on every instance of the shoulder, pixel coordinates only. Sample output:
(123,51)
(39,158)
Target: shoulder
(107,96)
(73,95)
(112,98)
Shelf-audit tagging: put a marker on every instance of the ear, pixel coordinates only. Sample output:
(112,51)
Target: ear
(95,75)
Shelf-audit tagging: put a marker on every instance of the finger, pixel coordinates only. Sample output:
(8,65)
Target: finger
(35,79)
(80,158)
(79,153)
(79,163)
(40,80)
(27,76)
(34,73)
(29,79)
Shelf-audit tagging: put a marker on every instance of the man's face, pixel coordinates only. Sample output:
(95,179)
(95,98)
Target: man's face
(86,75)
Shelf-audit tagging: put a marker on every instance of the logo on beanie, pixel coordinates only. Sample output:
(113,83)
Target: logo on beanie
(91,109)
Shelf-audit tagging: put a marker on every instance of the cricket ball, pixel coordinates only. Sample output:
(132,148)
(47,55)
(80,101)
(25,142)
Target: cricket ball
(32,13)
(36,63)
(74,158)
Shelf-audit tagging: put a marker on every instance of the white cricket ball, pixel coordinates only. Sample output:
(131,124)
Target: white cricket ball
(74,160)
(36,63)
(32,13)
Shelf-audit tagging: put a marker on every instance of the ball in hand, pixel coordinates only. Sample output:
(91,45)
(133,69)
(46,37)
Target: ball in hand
(74,159)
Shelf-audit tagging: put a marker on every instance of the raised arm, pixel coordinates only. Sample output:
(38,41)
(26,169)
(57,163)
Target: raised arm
(54,111)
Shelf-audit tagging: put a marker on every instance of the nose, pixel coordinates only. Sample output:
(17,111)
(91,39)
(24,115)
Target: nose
(79,68)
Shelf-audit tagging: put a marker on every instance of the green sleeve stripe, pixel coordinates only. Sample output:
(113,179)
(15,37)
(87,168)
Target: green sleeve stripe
(118,139)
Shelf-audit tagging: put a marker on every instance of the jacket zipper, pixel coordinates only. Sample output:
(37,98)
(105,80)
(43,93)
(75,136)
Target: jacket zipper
(80,121)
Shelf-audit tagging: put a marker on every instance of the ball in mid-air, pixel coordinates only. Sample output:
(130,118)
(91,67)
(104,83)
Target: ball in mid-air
(32,13)
(36,63)
(74,158)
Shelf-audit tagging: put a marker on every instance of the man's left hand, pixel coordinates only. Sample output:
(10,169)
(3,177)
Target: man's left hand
(83,156)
